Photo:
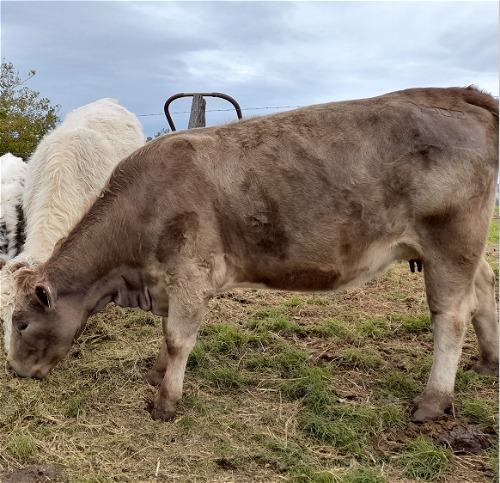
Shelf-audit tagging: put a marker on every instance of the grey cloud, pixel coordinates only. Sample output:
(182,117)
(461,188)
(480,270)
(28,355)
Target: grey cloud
(261,53)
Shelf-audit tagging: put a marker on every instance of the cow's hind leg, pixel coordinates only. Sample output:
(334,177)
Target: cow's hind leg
(452,301)
(485,320)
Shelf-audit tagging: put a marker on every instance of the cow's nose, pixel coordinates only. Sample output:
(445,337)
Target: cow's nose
(19,370)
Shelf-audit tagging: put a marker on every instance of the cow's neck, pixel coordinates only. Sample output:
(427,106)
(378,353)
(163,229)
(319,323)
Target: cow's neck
(103,260)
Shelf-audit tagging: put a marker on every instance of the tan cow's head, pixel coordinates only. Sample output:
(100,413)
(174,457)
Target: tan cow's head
(43,326)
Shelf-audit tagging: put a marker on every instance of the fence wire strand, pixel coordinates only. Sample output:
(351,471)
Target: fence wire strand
(221,110)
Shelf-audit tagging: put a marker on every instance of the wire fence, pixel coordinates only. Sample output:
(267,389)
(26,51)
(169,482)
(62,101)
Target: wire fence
(222,110)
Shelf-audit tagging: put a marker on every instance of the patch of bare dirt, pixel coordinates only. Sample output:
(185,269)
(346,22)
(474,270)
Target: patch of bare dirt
(35,474)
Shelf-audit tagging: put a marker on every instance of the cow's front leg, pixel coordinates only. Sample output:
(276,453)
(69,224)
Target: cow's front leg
(180,330)
(156,374)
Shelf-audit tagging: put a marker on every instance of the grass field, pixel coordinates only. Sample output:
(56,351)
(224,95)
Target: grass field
(280,387)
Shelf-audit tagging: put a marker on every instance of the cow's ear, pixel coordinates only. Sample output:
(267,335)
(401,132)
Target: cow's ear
(44,296)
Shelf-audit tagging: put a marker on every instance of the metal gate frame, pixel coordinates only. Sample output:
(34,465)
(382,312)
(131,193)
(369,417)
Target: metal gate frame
(202,94)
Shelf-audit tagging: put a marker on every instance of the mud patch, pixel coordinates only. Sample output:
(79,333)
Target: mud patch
(448,432)
(466,440)
(35,474)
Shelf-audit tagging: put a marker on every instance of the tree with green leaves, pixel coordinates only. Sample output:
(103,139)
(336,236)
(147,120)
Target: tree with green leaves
(24,117)
(161,132)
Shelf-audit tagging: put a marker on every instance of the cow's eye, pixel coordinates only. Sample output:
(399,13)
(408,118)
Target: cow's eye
(20,326)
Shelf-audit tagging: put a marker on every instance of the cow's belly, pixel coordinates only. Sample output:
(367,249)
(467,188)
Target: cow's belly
(321,277)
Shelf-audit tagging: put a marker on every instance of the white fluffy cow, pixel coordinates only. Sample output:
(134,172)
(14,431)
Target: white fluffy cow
(64,176)
(13,170)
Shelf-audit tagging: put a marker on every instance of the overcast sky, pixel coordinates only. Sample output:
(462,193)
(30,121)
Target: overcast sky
(264,54)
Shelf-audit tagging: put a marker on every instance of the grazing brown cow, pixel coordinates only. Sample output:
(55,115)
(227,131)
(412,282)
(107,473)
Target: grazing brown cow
(317,198)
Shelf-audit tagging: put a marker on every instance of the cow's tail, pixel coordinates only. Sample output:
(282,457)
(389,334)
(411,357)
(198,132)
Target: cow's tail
(476,97)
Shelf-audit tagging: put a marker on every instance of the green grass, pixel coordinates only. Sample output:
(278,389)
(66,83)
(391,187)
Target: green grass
(314,475)
(285,456)
(349,426)
(21,446)
(423,459)
(75,406)
(226,378)
(364,475)
(297,377)
(493,461)
(311,385)
(414,323)
(283,360)
(343,435)
(324,302)
(494,266)
(342,329)
(493,232)
(363,358)
(467,380)
(400,385)
(279,321)
(477,412)
(197,357)
(391,416)
(274,321)
(374,328)
(225,339)
(294,302)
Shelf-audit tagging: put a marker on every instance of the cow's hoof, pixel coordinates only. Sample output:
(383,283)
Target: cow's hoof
(488,368)
(423,414)
(159,413)
(430,408)
(154,378)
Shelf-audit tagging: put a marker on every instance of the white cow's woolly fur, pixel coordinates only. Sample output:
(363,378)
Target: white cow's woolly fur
(12,173)
(64,176)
